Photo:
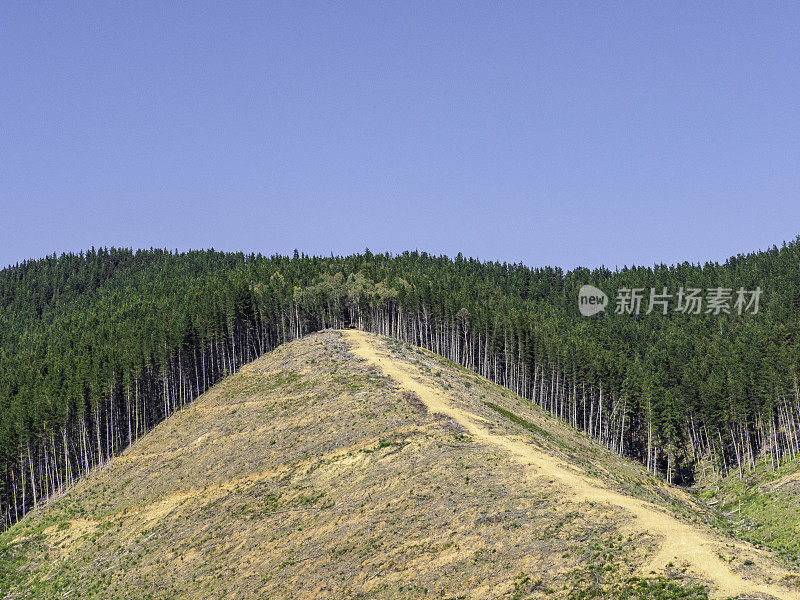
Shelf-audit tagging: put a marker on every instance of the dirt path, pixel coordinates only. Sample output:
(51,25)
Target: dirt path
(679,541)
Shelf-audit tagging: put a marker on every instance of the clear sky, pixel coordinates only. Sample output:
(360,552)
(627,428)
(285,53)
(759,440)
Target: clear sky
(560,133)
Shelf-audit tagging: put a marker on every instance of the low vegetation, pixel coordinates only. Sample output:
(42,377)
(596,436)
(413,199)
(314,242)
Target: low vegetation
(762,507)
(310,473)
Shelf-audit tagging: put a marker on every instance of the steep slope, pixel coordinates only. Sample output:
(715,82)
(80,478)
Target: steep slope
(686,544)
(345,465)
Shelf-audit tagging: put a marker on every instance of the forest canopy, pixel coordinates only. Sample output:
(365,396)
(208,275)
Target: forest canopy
(98,347)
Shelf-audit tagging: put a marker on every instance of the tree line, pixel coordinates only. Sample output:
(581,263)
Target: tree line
(96,348)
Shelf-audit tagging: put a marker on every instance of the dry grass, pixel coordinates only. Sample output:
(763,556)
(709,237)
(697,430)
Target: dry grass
(311,474)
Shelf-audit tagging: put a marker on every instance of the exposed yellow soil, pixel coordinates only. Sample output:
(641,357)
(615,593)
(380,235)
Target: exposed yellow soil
(679,542)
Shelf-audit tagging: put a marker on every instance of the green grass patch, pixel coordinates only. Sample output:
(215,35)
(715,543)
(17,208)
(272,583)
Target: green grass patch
(757,509)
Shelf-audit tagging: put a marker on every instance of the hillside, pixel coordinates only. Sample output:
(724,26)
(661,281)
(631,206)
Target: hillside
(761,506)
(347,465)
(97,348)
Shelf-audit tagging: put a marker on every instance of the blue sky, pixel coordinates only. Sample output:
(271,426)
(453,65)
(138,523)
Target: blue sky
(578,133)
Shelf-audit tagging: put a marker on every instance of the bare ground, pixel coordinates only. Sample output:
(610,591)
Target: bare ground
(345,465)
(678,541)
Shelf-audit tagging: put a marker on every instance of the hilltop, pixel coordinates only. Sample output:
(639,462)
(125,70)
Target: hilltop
(349,465)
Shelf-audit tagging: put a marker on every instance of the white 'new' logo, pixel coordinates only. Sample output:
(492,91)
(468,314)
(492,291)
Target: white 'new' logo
(591,300)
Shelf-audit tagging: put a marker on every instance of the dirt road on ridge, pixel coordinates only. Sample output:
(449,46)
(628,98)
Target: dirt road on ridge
(679,541)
